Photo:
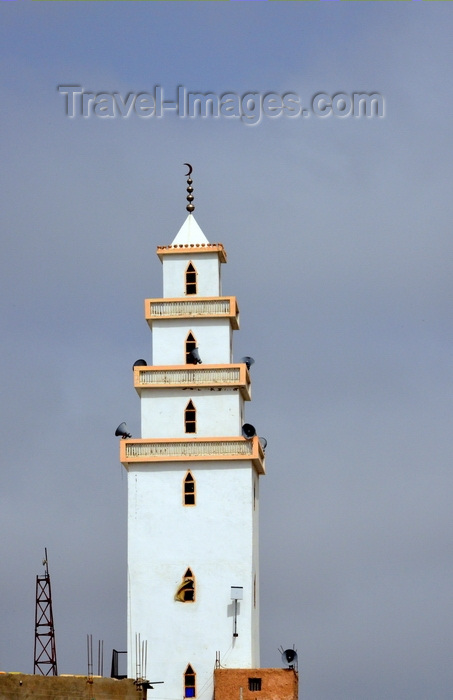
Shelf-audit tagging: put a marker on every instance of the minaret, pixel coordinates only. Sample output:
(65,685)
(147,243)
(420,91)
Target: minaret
(193,481)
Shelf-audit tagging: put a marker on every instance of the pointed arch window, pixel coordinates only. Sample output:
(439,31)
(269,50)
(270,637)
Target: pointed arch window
(185,592)
(191,279)
(191,344)
(189,682)
(190,418)
(189,490)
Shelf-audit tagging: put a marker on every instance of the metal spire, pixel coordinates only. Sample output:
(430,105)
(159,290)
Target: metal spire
(190,206)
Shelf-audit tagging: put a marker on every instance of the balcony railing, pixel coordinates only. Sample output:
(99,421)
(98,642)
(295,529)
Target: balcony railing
(201,307)
(142,451)
(208,377)
(180,249)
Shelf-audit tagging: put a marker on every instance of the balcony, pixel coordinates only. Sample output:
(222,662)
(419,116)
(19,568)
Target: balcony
(180,249)
(144,450)
(201,307)
(194,376)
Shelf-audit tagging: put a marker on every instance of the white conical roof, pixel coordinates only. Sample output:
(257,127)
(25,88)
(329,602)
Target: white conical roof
(190,233)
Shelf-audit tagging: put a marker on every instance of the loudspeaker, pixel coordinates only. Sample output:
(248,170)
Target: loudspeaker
(249,361)
(248,431)
(289,657)
(194,357)
(140,363)
(122,432)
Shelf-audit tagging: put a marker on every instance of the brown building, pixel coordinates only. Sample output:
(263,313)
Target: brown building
(229,684)
(22,686)
(255,684)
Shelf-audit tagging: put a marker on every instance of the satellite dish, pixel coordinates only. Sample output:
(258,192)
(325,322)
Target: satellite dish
(263,442)
(140,363)
(248,431)
(289,657)
(194,357)
(249,361)
(122,431)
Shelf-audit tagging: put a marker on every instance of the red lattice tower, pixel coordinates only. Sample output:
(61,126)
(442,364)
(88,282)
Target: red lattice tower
(45,650)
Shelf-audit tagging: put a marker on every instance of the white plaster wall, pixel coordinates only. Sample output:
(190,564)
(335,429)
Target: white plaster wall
(255,621)
(207,266)
(213,336)
(216,540)
(219,412)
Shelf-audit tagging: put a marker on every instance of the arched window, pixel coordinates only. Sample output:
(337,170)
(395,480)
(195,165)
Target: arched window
(191,344)
(190,418)
(191,279)
(189,490)
(189,682)
(185,592)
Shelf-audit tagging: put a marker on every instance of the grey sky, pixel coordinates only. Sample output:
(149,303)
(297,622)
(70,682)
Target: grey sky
(338,234)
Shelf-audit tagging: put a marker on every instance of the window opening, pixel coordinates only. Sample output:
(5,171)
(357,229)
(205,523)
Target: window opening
(190,418)
(185,592)
(189,490)
(189,682)
(191,344)
(254,683)
(191,279)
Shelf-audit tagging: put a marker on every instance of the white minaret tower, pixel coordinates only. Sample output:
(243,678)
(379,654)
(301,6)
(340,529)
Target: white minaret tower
(193,586)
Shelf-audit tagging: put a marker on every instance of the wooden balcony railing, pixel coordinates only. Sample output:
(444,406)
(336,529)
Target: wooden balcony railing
(144,450)
(197,376)
(195,307)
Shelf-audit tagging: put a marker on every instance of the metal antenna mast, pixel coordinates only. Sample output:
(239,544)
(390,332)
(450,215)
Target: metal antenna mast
(45,650)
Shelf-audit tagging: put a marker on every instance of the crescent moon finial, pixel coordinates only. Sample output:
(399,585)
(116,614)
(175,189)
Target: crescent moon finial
(190,206)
